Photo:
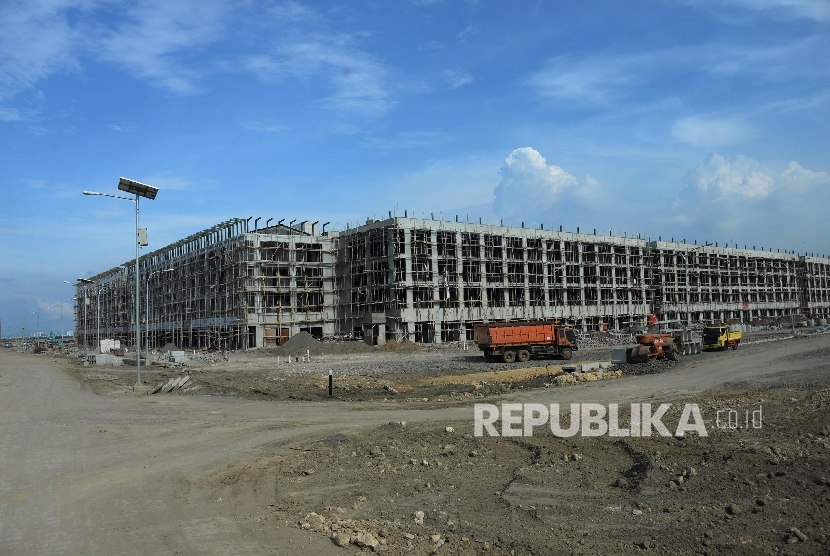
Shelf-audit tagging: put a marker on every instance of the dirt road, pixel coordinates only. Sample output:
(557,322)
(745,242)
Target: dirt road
(82,473)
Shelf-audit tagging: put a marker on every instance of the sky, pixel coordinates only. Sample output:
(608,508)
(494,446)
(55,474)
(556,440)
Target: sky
(685,119)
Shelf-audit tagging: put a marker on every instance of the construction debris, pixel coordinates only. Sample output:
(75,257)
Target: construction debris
(175,383)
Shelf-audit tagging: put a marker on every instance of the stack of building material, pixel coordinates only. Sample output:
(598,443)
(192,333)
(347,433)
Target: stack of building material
(108,345)
(177,357)
(175,383)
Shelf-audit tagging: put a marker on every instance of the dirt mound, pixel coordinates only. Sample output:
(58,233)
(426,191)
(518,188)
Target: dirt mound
(408,345)
(391,345)
(394,345)
(168,347)
(303,340)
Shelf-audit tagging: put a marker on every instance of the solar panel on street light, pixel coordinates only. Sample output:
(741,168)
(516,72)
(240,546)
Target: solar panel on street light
(138,188)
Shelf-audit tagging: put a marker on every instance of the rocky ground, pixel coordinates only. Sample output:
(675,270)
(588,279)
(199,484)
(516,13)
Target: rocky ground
(417,487)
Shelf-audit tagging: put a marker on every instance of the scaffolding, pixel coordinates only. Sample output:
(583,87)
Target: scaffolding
(231,287)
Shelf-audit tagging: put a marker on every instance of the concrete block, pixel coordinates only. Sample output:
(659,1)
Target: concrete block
(168,386)
(103,359)
(619,356)
(590,367)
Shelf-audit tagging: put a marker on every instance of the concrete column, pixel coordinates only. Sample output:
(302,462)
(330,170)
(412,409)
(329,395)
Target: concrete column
(459,280)
(436,301)
(545,282)
(409,280)
(483,274)
(526,278)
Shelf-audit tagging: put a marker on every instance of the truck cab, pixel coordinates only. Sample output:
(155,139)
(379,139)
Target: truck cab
(721,337)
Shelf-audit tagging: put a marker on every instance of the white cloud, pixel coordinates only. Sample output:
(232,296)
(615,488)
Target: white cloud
(441,185)
(157,36)
(605,76)
(466,33)
(528,183)
(740,200)
(36,40)
(589,81)
(741,177)
(357,80)
(456,79)
(800,179)
(124,127)
(818,10)
(702,132)
(409,139)
(9,115)
(163,43)
(263,126)
(170,181)
(152,39)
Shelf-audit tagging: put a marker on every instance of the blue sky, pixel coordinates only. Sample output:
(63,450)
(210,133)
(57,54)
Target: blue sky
(686,119)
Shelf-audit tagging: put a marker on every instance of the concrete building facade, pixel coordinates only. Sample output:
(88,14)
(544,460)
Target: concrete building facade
(233,287)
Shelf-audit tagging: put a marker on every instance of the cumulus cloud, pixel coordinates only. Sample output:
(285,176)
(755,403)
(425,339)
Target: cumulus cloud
(742,177)
(800,179)
(529,183)
(742,200)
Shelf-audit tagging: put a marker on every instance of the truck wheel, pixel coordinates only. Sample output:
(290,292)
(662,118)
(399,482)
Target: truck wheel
(565,353)
(673,354)
(735,346)
(523,356)
(509,356)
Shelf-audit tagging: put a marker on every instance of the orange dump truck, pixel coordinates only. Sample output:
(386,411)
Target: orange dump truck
(519,341)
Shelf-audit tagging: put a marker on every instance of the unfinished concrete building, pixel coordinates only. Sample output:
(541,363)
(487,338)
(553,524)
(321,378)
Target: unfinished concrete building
(223,288)
(236,286)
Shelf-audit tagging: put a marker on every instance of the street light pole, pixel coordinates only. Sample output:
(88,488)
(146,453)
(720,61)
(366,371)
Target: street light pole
(139,190)
(137,303)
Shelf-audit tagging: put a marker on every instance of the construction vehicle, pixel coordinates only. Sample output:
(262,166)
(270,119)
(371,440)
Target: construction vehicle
(519,341)
(721,336)
(662,340)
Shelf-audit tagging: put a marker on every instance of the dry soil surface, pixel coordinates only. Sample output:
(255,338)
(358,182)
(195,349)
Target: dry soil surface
(86,468)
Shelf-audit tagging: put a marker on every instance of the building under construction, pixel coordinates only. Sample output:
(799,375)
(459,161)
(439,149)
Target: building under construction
(237,286)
